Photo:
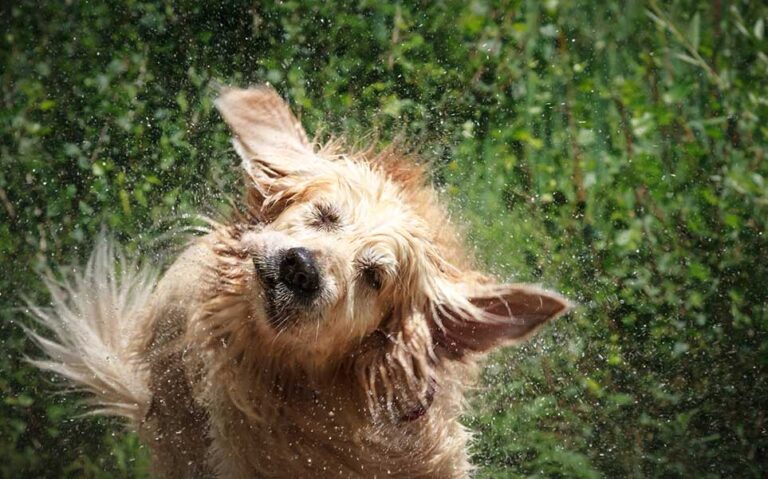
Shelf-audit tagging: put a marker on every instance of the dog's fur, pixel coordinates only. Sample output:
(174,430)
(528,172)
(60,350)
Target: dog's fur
(225,372)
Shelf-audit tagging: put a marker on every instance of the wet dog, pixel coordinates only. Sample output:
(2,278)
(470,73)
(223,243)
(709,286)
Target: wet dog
(329,330)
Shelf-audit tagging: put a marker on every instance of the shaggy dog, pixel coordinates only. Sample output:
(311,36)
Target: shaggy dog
(329,330)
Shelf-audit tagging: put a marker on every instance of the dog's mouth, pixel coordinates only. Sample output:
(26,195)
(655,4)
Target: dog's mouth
(293,284)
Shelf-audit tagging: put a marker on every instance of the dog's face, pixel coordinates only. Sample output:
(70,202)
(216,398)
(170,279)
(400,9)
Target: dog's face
(335,259)
(347,247)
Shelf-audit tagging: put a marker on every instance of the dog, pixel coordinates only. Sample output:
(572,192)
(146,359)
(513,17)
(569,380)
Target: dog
(329,329)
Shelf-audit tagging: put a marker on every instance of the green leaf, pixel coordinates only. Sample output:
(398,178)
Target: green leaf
(694,30)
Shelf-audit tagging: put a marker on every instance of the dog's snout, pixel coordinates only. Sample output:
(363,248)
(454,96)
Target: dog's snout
(298,271)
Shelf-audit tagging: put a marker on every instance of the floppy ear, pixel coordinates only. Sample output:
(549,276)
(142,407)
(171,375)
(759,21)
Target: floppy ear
(490,316)
(270,140)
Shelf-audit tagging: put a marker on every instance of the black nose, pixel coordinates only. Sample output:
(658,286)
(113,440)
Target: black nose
(298,271)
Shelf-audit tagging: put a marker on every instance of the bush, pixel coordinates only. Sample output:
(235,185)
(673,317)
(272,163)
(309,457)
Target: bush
(614,152)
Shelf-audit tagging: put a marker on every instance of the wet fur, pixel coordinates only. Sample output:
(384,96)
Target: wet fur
(369,383)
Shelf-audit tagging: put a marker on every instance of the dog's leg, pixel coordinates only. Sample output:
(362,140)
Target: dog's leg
(176,427)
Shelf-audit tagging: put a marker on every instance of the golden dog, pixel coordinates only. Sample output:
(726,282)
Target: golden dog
(329,330)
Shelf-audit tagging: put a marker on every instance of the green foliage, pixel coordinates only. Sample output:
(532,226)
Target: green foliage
(614,151)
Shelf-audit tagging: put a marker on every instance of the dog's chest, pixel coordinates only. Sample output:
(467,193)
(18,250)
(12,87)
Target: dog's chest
(322,437)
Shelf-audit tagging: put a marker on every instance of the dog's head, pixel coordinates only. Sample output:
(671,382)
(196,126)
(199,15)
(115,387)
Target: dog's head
(351,257)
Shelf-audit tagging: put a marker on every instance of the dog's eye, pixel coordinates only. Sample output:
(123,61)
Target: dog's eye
(325,217)
(372,276)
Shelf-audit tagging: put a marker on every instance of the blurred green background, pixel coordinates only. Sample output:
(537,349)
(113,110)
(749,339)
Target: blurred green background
(612,150)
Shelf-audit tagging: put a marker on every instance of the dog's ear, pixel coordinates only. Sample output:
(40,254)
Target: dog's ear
(271,142)
(485,317)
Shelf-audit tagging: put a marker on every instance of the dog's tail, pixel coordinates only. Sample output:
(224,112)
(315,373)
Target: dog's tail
(93,317)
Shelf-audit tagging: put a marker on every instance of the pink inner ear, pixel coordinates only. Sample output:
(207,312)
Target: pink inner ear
(522,304)
(509,314)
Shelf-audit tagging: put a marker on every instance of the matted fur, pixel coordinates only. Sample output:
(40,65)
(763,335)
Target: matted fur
(226,372)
